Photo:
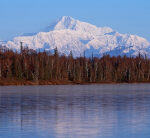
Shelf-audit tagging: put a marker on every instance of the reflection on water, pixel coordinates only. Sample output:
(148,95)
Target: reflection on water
(92,111)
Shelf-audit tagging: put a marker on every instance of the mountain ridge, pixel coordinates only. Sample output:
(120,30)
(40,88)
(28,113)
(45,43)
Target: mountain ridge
(68,34)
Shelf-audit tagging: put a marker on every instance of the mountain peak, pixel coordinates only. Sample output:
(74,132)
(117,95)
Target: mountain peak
(69,23)
(66,22)
(66,18)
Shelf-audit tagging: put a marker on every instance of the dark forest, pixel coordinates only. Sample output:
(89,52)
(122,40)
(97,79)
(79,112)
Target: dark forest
(31,67)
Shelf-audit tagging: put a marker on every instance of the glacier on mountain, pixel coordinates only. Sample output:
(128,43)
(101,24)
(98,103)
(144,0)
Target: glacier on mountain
(68,34)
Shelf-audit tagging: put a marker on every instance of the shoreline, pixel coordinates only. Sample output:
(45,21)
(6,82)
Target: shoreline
(42,83)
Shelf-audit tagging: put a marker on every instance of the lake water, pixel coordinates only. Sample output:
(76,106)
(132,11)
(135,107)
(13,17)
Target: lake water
(75,111)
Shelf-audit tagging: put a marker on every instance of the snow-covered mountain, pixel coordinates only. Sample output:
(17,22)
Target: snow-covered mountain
(2,42)
(68,34)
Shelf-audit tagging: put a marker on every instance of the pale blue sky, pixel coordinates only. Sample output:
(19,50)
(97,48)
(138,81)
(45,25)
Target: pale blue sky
(23,16)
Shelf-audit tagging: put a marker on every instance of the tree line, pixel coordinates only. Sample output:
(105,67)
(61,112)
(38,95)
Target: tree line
(30,65)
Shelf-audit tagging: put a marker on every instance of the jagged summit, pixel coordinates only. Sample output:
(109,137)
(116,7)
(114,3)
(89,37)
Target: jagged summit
(69,34)
(53,24)
(67,22)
